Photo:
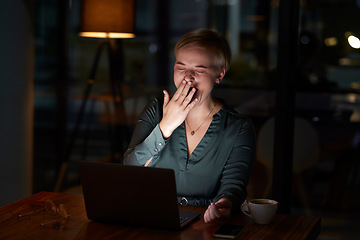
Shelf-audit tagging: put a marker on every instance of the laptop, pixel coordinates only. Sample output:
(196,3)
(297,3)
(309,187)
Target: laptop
(132,195)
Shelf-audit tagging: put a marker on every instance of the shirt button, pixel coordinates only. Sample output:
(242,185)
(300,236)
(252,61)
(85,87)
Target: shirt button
(160,144)
(155,150)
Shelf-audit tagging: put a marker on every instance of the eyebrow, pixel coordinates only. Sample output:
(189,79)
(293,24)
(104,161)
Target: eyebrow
(198,66)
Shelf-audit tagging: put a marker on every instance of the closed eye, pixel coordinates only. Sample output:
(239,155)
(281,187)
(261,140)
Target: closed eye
(180,66)
(201,68)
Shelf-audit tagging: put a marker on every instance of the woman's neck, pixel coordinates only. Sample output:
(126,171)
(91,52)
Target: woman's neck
(203,109)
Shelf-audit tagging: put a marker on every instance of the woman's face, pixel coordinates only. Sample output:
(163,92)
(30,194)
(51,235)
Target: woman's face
(198,66)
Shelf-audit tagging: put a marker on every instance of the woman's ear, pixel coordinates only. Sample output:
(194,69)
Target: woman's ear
(220,76)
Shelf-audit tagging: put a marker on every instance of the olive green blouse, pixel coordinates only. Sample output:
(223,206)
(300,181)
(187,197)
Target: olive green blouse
(220,166)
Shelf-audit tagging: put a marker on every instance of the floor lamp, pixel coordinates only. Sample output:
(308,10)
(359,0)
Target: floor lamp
(107,20)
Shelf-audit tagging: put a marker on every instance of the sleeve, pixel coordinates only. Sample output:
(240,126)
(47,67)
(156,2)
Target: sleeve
(147,140)
(238,167)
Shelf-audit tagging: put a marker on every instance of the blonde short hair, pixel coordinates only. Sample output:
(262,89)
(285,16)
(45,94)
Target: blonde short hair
(210,39)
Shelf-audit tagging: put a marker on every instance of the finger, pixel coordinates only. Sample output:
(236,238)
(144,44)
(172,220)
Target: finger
(166,98)
(189,96)
(207,218)
(211,214)
(207,215)
(185,92)
(179,90)
(215,213)
(192,104)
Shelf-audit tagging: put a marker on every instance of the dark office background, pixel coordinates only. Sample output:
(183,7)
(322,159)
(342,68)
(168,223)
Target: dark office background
(312,83)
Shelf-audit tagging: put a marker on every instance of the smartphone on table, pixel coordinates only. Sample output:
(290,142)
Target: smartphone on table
(229,231)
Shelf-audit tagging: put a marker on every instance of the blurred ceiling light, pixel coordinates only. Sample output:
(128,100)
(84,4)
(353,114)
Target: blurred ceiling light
(351,97)
(354,42)
(344,62)
(355,85)
(331,41)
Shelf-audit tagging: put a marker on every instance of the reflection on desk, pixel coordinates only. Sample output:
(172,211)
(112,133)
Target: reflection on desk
(79,227)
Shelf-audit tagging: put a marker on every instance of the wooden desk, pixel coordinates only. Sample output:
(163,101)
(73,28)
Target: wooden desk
(79,227)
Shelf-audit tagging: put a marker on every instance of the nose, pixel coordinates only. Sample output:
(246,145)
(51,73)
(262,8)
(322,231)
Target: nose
(189,75)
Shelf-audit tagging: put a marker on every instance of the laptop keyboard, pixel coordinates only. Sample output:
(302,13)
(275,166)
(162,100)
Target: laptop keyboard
(183,219)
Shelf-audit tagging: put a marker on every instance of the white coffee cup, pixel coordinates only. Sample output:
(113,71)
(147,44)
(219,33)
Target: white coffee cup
(261,210)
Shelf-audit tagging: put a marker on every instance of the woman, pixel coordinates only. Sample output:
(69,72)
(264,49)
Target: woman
(208,145)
